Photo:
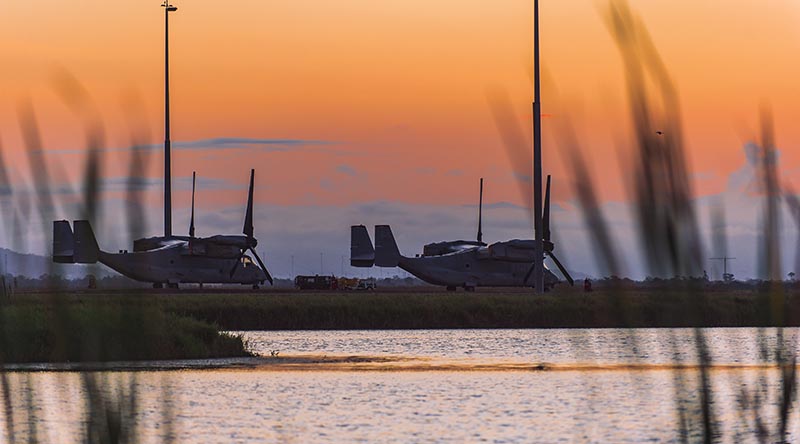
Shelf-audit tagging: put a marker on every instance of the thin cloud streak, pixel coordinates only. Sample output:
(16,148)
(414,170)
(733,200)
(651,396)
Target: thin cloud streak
(226,143)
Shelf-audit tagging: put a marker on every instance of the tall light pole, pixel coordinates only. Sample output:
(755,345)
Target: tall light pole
(167,146)
(538,272)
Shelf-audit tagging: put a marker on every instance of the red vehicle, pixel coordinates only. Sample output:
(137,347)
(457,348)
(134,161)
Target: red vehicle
(316,282)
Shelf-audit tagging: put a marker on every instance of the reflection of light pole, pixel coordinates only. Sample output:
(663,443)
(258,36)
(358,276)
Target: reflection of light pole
(167,163)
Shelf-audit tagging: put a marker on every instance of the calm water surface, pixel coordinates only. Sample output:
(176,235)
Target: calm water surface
(626,404)
(560,346)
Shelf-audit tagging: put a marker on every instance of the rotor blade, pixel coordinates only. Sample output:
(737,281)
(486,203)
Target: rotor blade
(561,268)
(480,213)
(546,213)
(191,222)
(530,272)
(261,264)
(236,264)
(248,217)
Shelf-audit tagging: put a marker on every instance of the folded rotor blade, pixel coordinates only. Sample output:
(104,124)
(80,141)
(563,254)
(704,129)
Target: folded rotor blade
(480,213)
(261,264)
(191,221)
(248,217)
(530,272)
(236,264)
(561,268)
(546,213)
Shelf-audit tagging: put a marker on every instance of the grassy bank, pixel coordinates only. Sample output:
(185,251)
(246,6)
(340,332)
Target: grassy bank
(426,308)
(48,330)
(483,310)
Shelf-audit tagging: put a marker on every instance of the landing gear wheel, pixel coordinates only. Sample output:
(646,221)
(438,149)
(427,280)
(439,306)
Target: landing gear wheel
(451,288)
(256,287)
(158,285)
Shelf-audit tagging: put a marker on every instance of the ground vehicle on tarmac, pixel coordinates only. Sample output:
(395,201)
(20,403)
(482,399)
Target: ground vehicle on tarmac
(316,282)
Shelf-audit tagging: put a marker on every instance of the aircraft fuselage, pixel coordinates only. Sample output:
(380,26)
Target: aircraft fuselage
(177,263)
(470,268)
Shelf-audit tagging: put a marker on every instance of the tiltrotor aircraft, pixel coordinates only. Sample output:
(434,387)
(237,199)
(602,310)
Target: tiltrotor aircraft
(471,264)
(460,263)
(170,260)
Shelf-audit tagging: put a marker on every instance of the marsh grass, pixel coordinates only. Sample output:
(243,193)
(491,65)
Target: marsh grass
(101,332)
(417,309)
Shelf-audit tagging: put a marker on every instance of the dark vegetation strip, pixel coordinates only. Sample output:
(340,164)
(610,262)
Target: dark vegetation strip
(93,329)
(430,309)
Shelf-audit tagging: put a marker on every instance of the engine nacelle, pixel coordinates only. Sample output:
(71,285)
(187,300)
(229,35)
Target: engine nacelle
(442,248)
(516,250)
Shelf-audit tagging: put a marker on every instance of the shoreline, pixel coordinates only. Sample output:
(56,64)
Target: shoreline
(358,363)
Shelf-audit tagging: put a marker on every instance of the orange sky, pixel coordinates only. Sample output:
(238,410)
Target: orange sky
(400,87)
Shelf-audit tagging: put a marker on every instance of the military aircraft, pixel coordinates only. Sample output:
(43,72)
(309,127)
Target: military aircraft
(470,264)
(169,259)
(466,264)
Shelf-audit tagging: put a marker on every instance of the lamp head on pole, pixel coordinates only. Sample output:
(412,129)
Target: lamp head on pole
(169,7)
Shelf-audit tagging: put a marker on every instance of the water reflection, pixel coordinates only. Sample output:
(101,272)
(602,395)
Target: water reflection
(558,346)
(252,406)
(593,389)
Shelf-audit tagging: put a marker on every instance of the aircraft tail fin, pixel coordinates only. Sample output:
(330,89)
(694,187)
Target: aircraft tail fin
(386,252)
(63,243)
(86,249)
(362,254)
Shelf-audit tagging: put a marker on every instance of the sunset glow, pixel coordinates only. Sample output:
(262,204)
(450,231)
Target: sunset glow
(356,104)
(398,88)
